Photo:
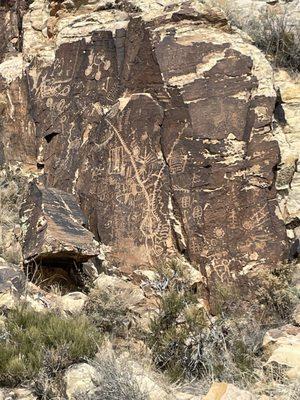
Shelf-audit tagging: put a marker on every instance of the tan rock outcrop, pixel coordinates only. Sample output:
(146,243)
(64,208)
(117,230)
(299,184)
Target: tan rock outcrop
(227,391)
(283,347)
(288,135)
(79,380)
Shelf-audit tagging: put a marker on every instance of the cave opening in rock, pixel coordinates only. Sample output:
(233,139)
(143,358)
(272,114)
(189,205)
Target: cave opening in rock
(59,272)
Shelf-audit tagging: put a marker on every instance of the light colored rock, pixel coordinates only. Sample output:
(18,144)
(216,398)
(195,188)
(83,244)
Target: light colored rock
(8,301)
(147,383)
(23,394)
(149,386)
(90,270)
(72,303)
(276,337)
(35,303)
(147,274)
(192,274)
(12,68)
(283,347)
(246,10)
(288,137)
(227,391)
(296,315)
(79,380)
(132,293)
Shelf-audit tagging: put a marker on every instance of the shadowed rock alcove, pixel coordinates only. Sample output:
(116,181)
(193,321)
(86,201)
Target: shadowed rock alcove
(56,244)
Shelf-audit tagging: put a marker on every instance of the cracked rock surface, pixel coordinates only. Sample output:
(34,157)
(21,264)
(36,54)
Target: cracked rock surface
(158,119)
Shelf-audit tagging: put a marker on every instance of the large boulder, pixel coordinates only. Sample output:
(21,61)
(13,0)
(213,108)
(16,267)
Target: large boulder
(54,231)
(227,391)
(282,346)
(79,380)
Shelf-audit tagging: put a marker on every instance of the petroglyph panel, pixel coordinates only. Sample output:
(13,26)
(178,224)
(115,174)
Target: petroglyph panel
(164,137)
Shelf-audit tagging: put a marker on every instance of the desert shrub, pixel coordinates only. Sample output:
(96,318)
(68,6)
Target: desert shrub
(266,293)
(173,274)
(271,32)
(33,342)
(276,293)
(116,381)
(187,344)
(109,312)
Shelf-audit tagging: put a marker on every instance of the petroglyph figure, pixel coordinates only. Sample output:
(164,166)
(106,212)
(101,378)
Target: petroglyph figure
(115,161)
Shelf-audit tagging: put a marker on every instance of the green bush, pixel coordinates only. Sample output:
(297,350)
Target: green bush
(31,342)
(187,342)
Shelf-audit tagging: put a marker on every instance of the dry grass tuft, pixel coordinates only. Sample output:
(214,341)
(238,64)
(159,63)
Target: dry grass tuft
(116,381)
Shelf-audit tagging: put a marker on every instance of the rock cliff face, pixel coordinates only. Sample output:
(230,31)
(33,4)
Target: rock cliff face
(157,117)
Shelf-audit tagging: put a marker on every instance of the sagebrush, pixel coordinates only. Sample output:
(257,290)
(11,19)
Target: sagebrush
(272,32)
(187,342)
(33,342)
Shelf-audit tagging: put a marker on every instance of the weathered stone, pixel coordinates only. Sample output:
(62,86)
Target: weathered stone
(12,278)
(89,269)
(72,303)
(21,394)
(17,128)
(227,391)
(12,285)
(153,156)
(55,235)
(157,117)
(8,301)
(11,12)
(288,136)
(296,315)
(283,347)
(148,384)
(79,380)
(249,10)
(17,132)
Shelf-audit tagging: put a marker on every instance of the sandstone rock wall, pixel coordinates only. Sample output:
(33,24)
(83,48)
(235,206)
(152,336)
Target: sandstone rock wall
(288,136)
(159,119)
